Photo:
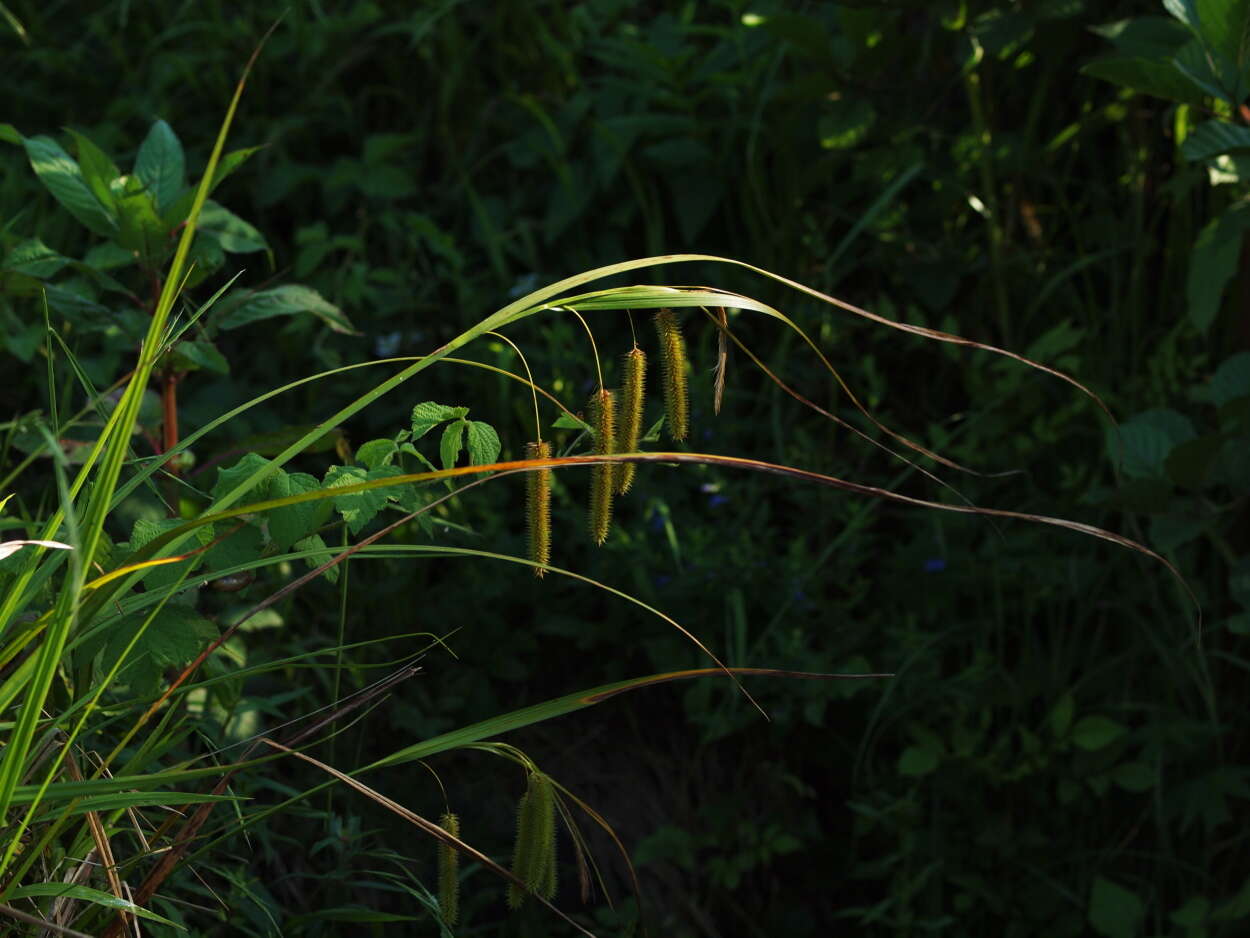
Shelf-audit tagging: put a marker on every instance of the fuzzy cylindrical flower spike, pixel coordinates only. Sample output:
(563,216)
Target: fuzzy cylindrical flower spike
(631,415)
(538,506)
(602,476)
(673,361)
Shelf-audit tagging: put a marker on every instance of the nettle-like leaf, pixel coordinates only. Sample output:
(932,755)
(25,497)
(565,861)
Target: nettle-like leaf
(145,531)
(377,453)
(428,415)
(160,164)
(358,508)
(240,542)
(242,307)
(175,636)
(315,542)
(285,525)
(450,445)
(480,438)
(290,524)
(483,443)
(247,466)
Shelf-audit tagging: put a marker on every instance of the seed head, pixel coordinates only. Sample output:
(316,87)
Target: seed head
(673,361)
(631,414)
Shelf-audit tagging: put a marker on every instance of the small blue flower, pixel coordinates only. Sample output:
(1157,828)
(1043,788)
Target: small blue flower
(387,344)
(935,565)
(715,501)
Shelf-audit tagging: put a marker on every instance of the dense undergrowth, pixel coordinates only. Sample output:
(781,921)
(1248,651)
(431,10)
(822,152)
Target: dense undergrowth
(1056,754)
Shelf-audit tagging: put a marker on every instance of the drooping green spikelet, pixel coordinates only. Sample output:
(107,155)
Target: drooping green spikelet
(534,857)
(631,415)
(448,870)
(602,477)
(538,506)
(673,360)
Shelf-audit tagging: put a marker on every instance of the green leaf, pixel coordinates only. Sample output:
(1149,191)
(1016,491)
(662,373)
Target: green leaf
(483,443)
(1147,440)
(358,508)
(1224,24)
(293,523)
(449,446)
(247,466)
(145,531)
(1183,10)
(9,134)
(238,545)
(176,635)
(232,233)
(229,163)
(377,453)
(87,894)
(1214,137)
(243,307)
(314,542)
(1146,76)
(161,165)
(1096,732)
(62,177)
(207,256)
(918,761)
(108,255)
(1229,382)
(1114,911)
(1209,70)
(427,415)
(1147,37)
(35,259)
(569,422)
(1213,263)
(201,354)
(1061,716)
(142,229)
(98,169)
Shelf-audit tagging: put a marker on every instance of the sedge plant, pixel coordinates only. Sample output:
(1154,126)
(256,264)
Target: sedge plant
(108,670)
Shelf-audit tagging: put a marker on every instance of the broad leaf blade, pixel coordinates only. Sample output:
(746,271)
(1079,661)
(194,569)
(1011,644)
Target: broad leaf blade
(63,178)
(292,299)
(161,164)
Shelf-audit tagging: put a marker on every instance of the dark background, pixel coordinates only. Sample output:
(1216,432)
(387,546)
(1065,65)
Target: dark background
(1055,755)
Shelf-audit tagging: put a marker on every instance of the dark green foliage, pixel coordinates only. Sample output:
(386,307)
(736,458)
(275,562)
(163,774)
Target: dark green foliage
(1058,755)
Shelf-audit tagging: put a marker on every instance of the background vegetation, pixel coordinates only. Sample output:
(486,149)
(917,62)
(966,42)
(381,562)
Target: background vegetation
(1056,755)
